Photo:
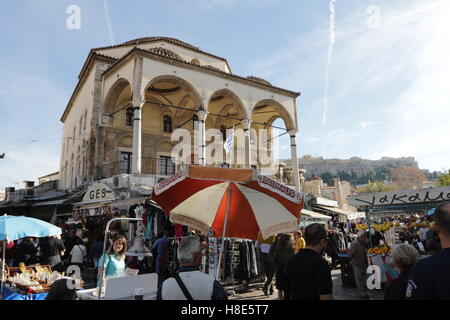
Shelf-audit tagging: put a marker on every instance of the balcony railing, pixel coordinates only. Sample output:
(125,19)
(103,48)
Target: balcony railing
(162,166)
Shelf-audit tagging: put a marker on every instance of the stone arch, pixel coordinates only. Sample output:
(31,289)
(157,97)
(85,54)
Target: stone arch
(274,111)
(187,97)
(113,95)
(176,79)
(227,93)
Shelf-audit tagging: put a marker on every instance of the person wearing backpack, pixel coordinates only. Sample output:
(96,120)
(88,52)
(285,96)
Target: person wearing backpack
(190,283)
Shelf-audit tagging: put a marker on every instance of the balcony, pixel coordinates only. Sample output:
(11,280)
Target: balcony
(160,166)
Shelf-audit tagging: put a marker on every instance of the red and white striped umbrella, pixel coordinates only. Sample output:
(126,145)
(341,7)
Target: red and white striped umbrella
(199,196)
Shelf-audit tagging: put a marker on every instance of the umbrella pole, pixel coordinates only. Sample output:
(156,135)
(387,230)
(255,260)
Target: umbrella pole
(3,269)
(224,230)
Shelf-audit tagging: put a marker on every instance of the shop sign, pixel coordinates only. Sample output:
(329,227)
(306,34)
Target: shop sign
(401,197)
(98,192)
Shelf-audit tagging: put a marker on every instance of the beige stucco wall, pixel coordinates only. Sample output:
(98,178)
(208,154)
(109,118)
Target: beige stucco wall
(81,107)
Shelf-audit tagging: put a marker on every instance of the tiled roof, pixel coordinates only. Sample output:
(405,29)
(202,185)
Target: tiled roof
(166,53)
(159,38)
(260,80)
(250,80)
(152,39)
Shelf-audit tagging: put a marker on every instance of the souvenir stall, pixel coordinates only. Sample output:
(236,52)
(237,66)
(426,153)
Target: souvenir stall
(240,266)
(241,204)
(26,282)
(96,209)
(96,202)
(30,282)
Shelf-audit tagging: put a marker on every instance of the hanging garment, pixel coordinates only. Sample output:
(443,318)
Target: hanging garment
(254,261)
(148,234)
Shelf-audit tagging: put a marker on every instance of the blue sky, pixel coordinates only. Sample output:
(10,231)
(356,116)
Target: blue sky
(388,74)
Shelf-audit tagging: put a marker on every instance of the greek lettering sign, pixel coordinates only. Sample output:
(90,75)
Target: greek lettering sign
(401,197)
(98,192)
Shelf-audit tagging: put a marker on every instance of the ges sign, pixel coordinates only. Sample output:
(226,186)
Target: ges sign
(98,192)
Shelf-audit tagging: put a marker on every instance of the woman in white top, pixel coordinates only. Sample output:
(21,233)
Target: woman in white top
(78,254)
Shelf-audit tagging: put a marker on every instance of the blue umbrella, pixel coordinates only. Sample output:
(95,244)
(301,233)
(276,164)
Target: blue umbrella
(16,227)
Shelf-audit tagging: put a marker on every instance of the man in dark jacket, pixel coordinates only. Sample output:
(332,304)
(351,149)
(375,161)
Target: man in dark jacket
(309,273)
(430,277)
(359,262)
(26,252)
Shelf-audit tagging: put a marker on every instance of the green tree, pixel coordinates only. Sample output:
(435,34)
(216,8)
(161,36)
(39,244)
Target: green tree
(375,186)
(444,179)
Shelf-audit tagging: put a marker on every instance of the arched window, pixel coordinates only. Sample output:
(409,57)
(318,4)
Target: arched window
(194,121)
(129,117)
(167,124)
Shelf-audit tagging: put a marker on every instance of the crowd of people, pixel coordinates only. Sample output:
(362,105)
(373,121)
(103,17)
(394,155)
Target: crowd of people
(302,272)
(297,264)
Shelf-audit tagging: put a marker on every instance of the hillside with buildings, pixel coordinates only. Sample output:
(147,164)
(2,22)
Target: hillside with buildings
(355,170)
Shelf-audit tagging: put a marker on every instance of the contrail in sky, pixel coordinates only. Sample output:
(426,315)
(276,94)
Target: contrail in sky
(111,35)
(332,5)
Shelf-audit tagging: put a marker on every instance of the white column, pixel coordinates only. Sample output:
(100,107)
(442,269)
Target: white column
(294,160)
(246,125)
(201,137)
(137,123)
(137,140)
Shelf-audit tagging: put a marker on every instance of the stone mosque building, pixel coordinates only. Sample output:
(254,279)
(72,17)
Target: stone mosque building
(131,97)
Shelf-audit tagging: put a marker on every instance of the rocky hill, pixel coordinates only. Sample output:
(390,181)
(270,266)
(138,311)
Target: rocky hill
(355,170)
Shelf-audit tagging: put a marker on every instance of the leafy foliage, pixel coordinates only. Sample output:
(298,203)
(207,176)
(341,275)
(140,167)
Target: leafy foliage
(444,179)
(375,186)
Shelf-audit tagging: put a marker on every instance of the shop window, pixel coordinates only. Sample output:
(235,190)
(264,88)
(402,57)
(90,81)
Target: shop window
(167,124)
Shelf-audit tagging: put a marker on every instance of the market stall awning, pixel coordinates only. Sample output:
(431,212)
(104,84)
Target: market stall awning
(351,215)
(315,215)
(48,203)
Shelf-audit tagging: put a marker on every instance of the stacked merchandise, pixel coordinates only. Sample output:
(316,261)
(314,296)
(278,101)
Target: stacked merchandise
(213,256)
(32,279)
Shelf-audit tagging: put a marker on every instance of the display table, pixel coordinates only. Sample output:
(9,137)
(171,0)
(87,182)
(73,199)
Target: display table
(9,294)
(123,288)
